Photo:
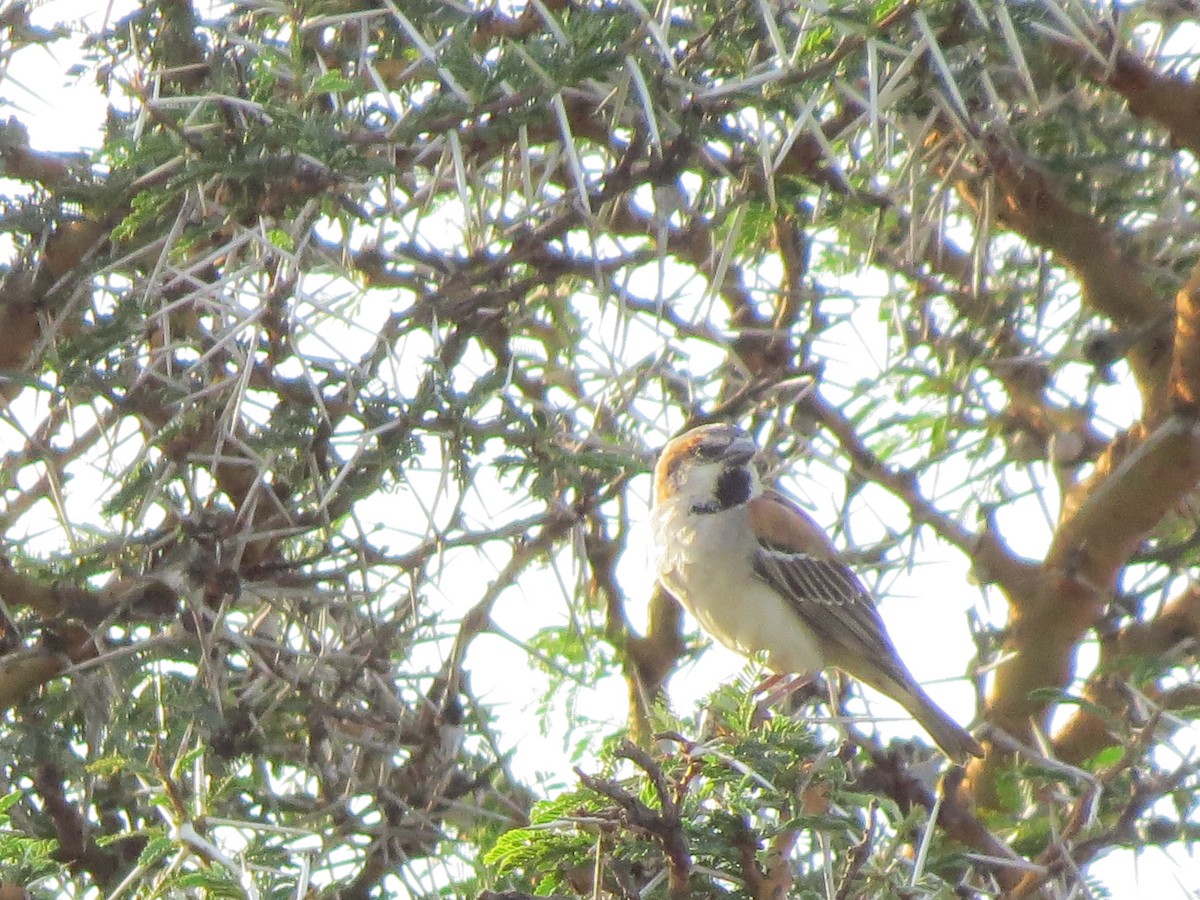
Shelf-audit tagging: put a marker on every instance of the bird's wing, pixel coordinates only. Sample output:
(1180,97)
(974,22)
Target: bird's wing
(835,605)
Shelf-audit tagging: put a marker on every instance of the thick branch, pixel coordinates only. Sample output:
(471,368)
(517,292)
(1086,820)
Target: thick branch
(1088,551)
(1172,101)
(1034,206)
(1185,361)
(1177,625)
(989,556)
(1092,545)
(955,817)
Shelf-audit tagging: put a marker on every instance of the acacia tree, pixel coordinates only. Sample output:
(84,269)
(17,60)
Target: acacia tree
(356,338)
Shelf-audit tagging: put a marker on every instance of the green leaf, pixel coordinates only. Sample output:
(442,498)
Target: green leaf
(281,239)
(332,83)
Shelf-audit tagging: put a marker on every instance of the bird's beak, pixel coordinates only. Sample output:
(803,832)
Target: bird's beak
(741,449)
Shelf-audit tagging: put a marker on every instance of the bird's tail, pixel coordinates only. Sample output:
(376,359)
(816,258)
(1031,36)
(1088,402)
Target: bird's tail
(948,734)
(887,675)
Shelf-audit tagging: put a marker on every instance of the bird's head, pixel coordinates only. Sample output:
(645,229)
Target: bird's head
(709,468)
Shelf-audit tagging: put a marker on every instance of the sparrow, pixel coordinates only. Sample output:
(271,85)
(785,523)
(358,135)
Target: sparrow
(763,578)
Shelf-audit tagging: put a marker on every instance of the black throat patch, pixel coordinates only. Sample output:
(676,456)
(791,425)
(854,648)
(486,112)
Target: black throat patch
(733,489)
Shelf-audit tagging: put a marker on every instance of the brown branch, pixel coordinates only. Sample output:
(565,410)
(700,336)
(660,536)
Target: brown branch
(1050,606)
(647,661)
(1178,624)
(1014,364)
(1091,546)
(492,24)
(20,162)
(1185,361)
(1033,205)
(770,351)
(1059,857)
(1175,625)
(38,296)
(1096,539)
(1172,101)
(777,874)
(142,597)
(991,558)
(890,777)
(76,846)
(858,856)
(653,657)
(478,618)
(23,671)
(664,826)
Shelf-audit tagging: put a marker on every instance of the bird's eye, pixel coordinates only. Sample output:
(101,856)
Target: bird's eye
(712,450)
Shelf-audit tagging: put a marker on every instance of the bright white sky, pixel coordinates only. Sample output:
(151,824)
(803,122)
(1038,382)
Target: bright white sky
(63,114)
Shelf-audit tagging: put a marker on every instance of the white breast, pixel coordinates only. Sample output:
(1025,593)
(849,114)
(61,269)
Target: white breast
(712,576)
